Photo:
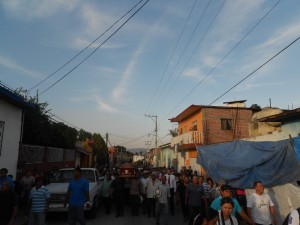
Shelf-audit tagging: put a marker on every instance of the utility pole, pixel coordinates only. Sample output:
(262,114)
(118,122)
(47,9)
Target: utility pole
(152,116)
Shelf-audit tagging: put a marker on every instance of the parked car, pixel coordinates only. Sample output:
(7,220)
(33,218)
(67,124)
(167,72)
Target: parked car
(59,186)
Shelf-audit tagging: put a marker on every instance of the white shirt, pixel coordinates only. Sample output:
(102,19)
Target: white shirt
(172,183)
(294,218)
(151,187)
(260,208)
(144,183)
(227,222)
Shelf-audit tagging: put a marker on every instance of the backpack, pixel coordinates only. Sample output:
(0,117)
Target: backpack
(286,220)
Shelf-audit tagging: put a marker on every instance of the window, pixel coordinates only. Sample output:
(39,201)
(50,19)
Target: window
(226,124)
(194,126)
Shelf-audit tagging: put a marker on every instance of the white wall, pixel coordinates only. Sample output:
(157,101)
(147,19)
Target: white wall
(12,116)
(291,128)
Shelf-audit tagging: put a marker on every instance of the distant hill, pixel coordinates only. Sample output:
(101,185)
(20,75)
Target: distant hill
(137,150)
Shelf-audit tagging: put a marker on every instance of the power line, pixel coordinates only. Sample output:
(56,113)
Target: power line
(79,53)
(138,138)
(185,48)
(194,51)
(173,52)
(95,49)
(226,55)
(246,77)
(52,115)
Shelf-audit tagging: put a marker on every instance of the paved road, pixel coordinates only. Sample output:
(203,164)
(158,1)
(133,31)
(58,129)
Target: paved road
(127,219)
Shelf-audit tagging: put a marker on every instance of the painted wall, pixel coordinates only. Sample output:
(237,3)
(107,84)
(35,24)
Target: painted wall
(12,116)
(291,127)
(187,125)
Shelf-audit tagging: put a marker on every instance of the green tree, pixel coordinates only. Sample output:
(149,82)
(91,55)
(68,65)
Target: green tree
(100,150)
(84,135)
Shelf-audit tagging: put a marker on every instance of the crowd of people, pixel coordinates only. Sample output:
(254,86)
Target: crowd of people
(156,192)
(152,193)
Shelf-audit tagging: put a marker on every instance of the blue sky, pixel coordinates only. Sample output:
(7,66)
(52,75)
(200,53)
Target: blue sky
(155,64)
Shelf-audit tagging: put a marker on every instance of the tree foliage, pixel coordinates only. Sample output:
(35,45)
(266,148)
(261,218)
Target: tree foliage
(84,135)
(40,129)
(174,133)
(100,150)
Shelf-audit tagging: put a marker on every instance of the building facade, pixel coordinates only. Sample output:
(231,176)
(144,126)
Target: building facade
(204,125)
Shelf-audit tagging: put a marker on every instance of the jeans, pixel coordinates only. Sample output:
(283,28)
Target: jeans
(76,213)
(151,207)
(37,218)
(162,208)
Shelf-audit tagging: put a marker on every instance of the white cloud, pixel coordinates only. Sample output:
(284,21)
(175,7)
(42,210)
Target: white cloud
(230,26)
(104,106)
(80,43)
(34,9)
(122,86)
(282,35)
(14,66)
(253,85)
(95,20)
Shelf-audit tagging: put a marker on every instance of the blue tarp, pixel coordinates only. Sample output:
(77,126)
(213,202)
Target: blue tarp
(240,163)
(297,147)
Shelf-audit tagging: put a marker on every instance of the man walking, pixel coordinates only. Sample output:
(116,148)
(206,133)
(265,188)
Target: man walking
(118,191)
(171,181)
(260,206)
(193,199)
(4,177)
(106,193)
(77,195)
(150,194)
(8,204)
(39,203)
(162,195)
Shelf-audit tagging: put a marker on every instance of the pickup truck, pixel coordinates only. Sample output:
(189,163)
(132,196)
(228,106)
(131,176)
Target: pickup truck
(58,188)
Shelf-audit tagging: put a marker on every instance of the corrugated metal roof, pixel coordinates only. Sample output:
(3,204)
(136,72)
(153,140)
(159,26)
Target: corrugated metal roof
(282,116)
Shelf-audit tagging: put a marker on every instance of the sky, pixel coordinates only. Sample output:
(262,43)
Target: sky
(115,71)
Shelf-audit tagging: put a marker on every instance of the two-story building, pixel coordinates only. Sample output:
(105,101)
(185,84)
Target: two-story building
(204,125)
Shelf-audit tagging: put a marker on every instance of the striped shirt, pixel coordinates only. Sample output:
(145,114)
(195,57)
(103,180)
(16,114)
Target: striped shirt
(39,199)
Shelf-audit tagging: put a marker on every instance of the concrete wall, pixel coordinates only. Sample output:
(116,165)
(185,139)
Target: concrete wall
(288,128)
(12,116)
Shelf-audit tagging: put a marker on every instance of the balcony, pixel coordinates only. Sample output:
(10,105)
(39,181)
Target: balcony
(192,137)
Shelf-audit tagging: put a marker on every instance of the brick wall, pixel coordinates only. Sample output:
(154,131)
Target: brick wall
(212,124)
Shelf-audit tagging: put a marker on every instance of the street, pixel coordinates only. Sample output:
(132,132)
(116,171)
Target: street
(127,219)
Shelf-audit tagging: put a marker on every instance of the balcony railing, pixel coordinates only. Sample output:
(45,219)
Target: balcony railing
(192,137)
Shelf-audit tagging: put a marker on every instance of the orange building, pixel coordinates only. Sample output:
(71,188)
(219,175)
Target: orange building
(204,125)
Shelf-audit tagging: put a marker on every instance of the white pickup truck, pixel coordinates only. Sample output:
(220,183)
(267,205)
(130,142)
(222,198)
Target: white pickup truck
(58,188)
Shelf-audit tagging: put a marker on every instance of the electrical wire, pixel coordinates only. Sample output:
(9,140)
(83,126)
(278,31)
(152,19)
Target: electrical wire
(173,52)
(219,63)
(79,53)
(185,48)
(265,63)
(95,49)
(193,52)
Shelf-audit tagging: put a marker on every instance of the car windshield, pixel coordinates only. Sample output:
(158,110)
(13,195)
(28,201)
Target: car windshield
(64,176)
